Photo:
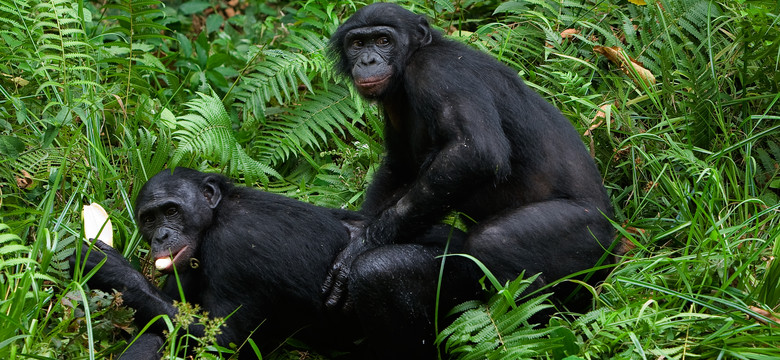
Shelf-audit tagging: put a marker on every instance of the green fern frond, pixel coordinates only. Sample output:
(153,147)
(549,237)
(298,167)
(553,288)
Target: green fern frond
(307,126)
(61,46)
(276,77)
(280,72)
(767,172)
(133,27)
(14,13)
(14,19)
(292,122)
(308,43)
(207,132)
(13,251)
(152,150)
(35,162)
(500,328)
(59,261)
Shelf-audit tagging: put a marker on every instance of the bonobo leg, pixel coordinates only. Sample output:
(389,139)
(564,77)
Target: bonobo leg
(556,238)
(392,289)
(148,346)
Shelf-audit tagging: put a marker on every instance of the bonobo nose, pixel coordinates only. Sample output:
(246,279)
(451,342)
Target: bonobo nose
(368,60)
(161,235)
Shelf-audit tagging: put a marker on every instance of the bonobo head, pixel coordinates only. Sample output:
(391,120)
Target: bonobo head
(374,46)
(173,210)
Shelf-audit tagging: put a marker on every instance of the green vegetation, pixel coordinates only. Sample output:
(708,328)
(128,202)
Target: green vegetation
(95,97)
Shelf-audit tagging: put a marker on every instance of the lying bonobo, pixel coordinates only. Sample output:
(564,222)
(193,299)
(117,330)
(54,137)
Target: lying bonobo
(259,259)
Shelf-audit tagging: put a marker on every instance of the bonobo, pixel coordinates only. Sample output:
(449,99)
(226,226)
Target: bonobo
(464,133)
(260,259)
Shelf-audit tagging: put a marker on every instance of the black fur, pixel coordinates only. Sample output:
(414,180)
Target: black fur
(464,133)
(261,257)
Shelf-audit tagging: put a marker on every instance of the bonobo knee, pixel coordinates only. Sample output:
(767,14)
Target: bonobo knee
(487,240)
(376,267)
(393,268)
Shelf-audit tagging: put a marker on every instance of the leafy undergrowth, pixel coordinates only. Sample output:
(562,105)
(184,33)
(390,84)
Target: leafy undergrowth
(677,101)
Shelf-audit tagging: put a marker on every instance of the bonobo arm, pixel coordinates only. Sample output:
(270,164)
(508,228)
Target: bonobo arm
(389,183)
(475,152)
(150,301)
(147,346)
(469,151)
(117,274)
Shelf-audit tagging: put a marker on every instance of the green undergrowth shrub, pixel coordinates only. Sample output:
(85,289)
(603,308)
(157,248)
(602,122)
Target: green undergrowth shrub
(96,97)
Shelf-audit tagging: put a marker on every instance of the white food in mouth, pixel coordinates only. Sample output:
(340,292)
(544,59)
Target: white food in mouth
(163,263)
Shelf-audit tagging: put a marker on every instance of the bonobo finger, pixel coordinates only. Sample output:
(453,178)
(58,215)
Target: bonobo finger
(84,250)
(330,277)
(86,263)
(102,245)
(332,281)
(342,260)
(72,259)
(338,289)
(93,254)
(328,281)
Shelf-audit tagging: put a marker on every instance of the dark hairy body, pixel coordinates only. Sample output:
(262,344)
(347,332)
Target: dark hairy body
(464,133)
(259,259)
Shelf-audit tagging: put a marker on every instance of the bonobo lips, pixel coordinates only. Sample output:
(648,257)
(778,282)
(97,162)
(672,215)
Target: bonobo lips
(164,263)
(372,85)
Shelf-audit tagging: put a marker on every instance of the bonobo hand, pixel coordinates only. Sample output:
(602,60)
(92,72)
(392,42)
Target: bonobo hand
(335,286)
(363,237)
(115,273)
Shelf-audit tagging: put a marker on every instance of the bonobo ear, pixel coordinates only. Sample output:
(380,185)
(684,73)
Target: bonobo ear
(424,31)
(211,191)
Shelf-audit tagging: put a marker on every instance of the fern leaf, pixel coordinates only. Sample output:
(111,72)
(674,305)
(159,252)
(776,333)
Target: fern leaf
(275,77)
(500,328)
(307,126)
(207,131)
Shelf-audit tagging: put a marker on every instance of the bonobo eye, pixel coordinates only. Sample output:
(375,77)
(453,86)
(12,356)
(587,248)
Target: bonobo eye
(147,219)
(357,43)
(171,211)
(383,41)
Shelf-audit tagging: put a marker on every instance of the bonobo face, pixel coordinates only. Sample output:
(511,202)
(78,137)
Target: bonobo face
(172,214)
(372,52)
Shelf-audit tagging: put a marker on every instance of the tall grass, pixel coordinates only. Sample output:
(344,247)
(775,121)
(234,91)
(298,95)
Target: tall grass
(90,94)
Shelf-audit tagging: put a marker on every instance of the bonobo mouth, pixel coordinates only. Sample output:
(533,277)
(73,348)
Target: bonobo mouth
(164,263)
(371,85)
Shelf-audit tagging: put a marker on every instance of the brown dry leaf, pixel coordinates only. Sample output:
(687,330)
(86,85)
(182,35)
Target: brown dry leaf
(121,104)
(626,245)
(569,33)
(600,114)
(16,80)
(764,313)
(615,55)
(24,181)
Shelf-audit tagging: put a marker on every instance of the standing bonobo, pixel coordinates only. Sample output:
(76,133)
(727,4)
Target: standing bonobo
(464,133)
